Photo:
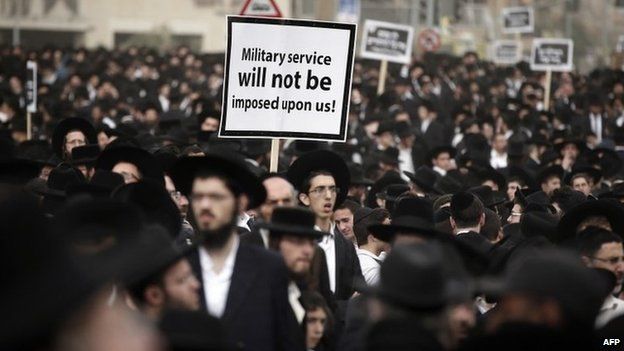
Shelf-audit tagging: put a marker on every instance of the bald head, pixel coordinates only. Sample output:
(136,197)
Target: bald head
(279,193)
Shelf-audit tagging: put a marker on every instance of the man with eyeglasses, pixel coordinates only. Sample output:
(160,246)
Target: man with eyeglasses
(187,233)
(70,133)
(243,285)
(322,179)
(600,248)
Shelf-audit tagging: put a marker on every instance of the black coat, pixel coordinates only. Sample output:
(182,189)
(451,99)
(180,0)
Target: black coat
(257,312)
(435,135)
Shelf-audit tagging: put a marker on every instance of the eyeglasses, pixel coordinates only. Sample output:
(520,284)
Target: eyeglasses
(176,195)
(321,190)
(612,261)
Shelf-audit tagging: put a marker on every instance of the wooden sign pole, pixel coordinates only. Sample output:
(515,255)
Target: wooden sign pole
(547,90)
(28,126)
(383,72)
(275,150)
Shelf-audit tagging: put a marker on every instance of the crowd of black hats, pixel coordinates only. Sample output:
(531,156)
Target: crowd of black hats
(450,135)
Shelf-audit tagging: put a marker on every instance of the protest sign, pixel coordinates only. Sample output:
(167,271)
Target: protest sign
(287,79)
(552,54)
(506,52)
(387,41)
(263,8)
(429,40)
(517,20)
(31,95)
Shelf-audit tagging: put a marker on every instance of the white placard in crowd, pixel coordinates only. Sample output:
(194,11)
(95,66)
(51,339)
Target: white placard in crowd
(31,86)
(506,52)
(387,41)
(287,79)
(552,54)
(517,20)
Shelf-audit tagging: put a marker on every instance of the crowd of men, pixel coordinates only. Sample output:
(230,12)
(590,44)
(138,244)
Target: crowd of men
(460,214)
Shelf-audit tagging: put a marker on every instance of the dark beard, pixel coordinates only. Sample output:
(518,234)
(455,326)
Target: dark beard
(216,239)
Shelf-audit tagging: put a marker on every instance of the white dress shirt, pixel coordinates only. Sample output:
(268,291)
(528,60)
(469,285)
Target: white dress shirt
(424,125)
(329,246)
(242,221)
(498,160)
(406,163)
(293,297)
(264,234)
(595,122)
(217,285)
(439,170)
(370,265)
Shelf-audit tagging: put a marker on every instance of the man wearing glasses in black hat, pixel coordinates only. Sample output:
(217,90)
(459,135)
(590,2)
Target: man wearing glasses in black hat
(243,285)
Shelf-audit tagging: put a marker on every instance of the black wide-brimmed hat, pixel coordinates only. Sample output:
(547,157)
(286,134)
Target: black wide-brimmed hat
(296,221)
(357,175)
(521,174)
(101,184)
(232,166)
(385,127)
(66,126)
(488,197)
(608,160)
(580,145)
(554,170)
(60,179)
(433,153)
(590,171)
(390,156)
(424,177)
(390,177)
(393,191)
(193,330)
(321,160)
(608,208)
(145,162)
(18,171)
(411,215)
(85,154)
(449,184)
(489,173)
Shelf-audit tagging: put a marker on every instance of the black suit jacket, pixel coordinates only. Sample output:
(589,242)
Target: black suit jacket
(257,313)
(435,135)
(253,237)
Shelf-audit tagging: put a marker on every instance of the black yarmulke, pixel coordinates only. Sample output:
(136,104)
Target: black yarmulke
(461,201)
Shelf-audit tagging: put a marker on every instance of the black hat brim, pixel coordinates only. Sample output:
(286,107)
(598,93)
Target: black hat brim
(611,209)
(281,229)
(184,170)
(146,163)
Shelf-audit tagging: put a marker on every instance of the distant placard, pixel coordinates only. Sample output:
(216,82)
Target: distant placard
(31,86)
(517,20)
(387,41)
(506,52)
(552,54)
(619,47)
(287,79)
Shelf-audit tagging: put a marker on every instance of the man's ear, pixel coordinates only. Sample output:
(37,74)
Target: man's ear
(586,261)
(304,198)
(154,295)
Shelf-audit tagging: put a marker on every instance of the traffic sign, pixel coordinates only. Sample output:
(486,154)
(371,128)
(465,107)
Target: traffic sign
(429,40)
(262,8)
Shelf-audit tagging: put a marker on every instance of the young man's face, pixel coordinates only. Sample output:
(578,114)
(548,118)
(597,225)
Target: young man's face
(73,139)
(581,184)
(443,161)
(181,287)
(321,197)
(214,205)
(297,252)
(344,221)
(315,327)
(610,257)
(551,184)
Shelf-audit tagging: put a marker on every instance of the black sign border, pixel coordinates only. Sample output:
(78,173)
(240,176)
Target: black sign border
(342,136)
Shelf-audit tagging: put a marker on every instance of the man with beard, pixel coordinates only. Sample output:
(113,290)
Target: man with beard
(243,285)
(292,234)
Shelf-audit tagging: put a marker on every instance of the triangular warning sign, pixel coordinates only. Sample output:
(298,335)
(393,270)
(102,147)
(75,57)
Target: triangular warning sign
(262,8)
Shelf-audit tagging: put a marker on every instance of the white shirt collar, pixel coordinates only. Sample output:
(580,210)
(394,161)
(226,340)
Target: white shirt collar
(217,285)
(439,170)
(365,252)
(293,297)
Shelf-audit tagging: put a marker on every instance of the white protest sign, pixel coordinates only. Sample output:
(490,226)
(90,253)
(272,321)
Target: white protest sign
(287,79)
(387,41)
(31,86)
(517,20)
(552,54)
(506,52)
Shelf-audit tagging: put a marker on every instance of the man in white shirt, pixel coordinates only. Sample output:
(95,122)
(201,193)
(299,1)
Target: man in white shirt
(442,159)
(243,285)
(370,246)
(293,236)
(498,155)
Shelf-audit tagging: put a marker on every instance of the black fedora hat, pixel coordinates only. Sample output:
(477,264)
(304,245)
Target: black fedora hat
(390,156)
(424,177)
(580,145)
(411,215)
(357,175)
(393,191)
(413,277)
(85,154)
(390,177)
(232,166)
(449,184)
(67,125)
(608,160)
(385,127)
(296,221)
(321,160)
(516,149)
(434,152)
(18,171)
(538,221)
(145,162)
(488,197)
(60,178)
(521,174)
(590,171)
(538,139)
(608,208)
(550,171)
(193,330)
(101,184)
(489,173)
